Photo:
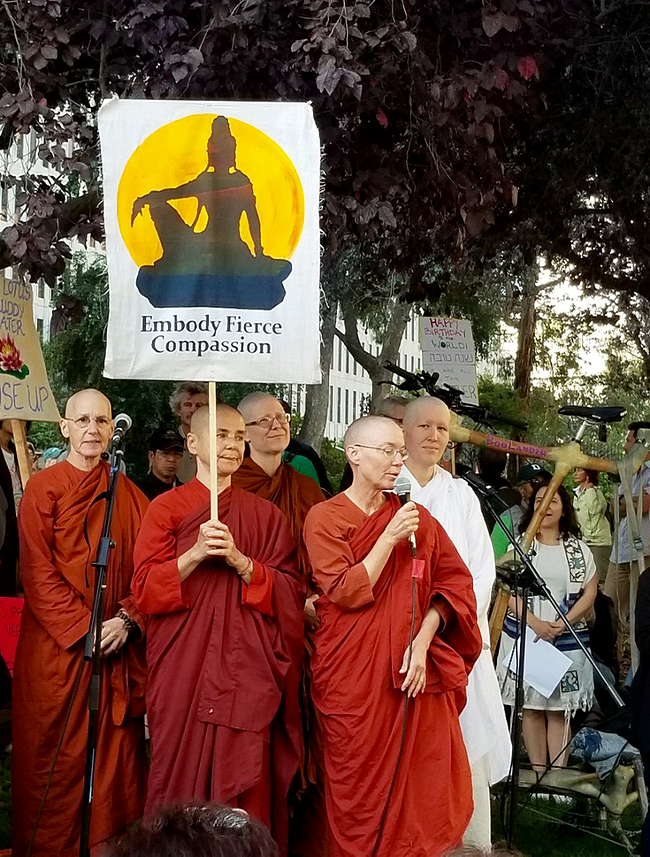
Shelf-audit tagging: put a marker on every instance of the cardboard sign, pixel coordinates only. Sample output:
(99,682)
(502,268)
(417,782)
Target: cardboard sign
(11,612)
(448,349)
(25,392)
(212,239)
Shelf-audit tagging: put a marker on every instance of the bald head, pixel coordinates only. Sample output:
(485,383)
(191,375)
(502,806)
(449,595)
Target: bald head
(426,433)
(200,423)
(372,430)
(88,427)
(257,402)
(84,399)
(425,405)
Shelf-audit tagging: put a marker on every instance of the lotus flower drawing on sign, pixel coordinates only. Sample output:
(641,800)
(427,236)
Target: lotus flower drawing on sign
(10,360)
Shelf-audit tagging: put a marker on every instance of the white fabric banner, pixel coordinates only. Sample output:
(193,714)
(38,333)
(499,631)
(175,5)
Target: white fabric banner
(212,238)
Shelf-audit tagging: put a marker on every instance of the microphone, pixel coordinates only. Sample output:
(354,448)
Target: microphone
(121,424)
(402,488)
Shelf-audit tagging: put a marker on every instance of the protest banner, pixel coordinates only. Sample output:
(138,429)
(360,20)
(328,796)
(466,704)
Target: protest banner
(25,392)
(448,349)
(213,244)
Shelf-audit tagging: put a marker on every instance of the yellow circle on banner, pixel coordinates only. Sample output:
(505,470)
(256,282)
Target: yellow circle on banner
(177,153)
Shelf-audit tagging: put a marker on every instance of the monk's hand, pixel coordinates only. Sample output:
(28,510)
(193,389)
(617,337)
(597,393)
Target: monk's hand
(403,523)
(416,671)
(138,206)
(114,636)
(311,617)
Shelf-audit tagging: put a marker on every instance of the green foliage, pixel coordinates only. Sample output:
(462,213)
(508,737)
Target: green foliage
(334,460)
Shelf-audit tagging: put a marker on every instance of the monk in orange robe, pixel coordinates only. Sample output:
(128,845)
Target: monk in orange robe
(391,790)
(224,638)
(60,521)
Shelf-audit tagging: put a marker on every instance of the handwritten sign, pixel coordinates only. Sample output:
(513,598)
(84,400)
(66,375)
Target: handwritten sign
(25,392)
(448,349)
(11,613)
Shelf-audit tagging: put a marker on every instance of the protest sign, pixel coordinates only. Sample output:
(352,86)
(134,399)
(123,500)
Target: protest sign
(448,349)
(213,244)
(25,392)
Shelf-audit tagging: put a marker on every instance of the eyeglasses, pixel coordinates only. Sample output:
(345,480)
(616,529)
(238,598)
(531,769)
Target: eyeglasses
(84,422)
(389,451)
(266,422)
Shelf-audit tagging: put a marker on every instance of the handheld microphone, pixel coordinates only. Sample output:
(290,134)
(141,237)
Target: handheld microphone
(121,424)
(402,488)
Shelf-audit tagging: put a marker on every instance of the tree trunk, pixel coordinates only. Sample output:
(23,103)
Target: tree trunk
(374,366)
(312,430)
(526,343)
(389,351)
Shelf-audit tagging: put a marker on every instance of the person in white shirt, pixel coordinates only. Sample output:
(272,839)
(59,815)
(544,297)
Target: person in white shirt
(453,503)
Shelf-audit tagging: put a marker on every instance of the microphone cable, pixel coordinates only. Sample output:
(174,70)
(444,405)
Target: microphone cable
(402,743)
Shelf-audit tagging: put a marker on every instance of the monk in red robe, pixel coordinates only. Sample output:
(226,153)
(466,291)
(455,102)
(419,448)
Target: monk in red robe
(60,521)
(265,473)
(391,790)
(224,638)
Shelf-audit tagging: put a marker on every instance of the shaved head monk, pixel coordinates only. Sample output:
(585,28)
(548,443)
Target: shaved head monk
(385,798)
(60,521)
(265,473)
(453,503)
(224,638)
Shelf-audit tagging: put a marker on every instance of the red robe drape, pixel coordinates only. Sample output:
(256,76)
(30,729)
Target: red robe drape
(359,647)
(223,659)
(293,493)
(60,524)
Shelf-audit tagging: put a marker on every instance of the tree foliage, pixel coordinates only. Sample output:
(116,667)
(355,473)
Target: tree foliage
(422,107)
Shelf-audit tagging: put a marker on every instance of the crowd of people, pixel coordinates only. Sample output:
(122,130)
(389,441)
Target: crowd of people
(318,662)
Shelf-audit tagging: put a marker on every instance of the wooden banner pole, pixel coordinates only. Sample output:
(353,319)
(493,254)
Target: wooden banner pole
(22,454)
(212,405)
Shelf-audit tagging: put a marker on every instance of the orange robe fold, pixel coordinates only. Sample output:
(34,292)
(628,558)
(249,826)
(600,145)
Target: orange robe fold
(359,648)
(60,522)
(223,659)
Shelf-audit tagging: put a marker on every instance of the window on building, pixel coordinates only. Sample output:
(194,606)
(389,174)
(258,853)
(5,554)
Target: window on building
(412,363)
(347,407)
(4,198)
(340,354)
(354,404)
(354,367)
(347,361)
(39,327)
(41,288)
(338,404)
(331,408)
(20,145)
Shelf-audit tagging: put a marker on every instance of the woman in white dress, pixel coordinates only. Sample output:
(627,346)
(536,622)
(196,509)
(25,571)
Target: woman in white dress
(567,566)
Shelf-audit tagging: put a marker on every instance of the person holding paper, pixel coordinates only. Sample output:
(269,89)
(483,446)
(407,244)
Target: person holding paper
(456,507)
(567,566)
(384,797)
(60,522)
(224,600)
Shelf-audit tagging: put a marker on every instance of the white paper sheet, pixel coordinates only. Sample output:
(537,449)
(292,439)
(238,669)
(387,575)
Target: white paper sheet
(544,665)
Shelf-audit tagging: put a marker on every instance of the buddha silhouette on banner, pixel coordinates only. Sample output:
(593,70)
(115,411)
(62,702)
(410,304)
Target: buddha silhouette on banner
(207,261)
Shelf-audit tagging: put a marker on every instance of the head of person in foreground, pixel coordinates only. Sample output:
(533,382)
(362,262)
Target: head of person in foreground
(196,831)
(88,427)
(374,446)
(426,431)
(230,442)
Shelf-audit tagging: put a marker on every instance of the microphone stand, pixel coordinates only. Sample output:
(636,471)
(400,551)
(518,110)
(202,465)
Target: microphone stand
(528,581)
(93,643)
